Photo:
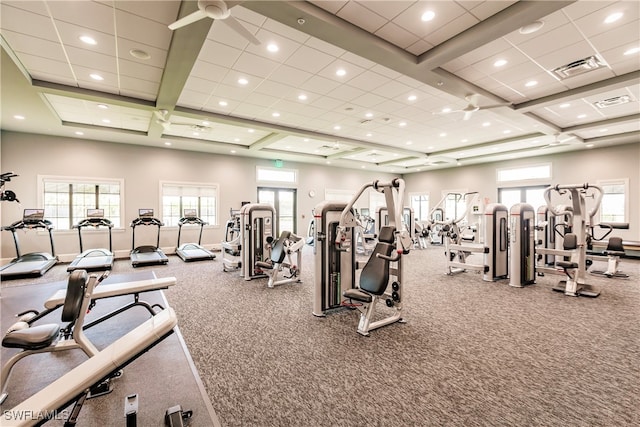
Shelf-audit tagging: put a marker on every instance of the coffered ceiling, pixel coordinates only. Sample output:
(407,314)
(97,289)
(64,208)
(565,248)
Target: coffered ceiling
(395,86)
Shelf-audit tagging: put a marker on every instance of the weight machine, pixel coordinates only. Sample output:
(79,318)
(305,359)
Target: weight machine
(281,258)
(574,242)
(335,259)
(523,259)
(232,243)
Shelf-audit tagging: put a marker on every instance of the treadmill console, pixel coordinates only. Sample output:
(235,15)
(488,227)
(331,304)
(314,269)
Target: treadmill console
(95,213)
(145,213)
(190,213)
(33,215)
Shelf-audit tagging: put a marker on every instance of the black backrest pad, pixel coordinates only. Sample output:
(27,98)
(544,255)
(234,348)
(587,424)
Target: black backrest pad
(615,244)
(386,234)
(570,242)
(375,274)
(75,292)
(278,251)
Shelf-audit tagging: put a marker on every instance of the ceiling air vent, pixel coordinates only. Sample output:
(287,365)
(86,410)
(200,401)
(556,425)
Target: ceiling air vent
(579,67)
(610,102)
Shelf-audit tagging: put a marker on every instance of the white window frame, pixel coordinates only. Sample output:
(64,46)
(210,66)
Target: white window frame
(198,185)
(42,179)
(260,180)
(420,194)
(524,181)
(620,181)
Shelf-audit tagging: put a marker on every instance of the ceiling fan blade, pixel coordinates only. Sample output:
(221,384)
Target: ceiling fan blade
(472,99)
(189,19)
(236,26)
(468,114)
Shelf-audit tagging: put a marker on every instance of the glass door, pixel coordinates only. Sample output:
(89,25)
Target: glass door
(284,202)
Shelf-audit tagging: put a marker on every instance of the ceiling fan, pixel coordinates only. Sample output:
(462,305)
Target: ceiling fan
(215,9)
(558,141)
(472,107)
(162,118)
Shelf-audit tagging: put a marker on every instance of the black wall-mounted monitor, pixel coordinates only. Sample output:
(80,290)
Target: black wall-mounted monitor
(33,214)
(190,213)
(145,213)
(95,213)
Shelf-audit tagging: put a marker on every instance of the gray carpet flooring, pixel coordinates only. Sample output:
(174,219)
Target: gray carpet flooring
(472,353)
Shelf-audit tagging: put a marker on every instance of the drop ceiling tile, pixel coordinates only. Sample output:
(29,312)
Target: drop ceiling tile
(22,21)
(456,26)
(39,66)
(70,35)
(95,61)
(309,60)
(486,51)
(397,35)
(525,70)
(84,13)
(513,57)
(319,84)
(289,75)
(286,46)
(23,44)
(324,47)
(232,78)
(550,22)
(260,99)
(285,31)
(587,78)
(346,93)
(192,99)
(255,65)
(162,11)
(419,47)
(247,110)
(556,39)
(129,85)
(218,53)
(223,34)
(29,6)
(208,71)
(274,89)
(361,16)
(593,24)
(330,6)
(621,35)
(357,60)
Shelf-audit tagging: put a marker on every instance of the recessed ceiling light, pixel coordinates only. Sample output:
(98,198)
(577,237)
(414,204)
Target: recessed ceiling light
(500,63)
(368,115)
(566,105)
(140,54)
(19,117)
(80,133)
(106,121)
(363,166)
(275,114)
(103,106)
(401,124)
(95,76)
(328,162)
(167,143)
(464,140)
(205,123)
(233,151)
(431,147)
(341,72)
(272,47)
(531,28)
(412,98)
(589,145)
(223,103)
(443,134)
(506,131)
(368,135)
(238,140)
(409,142)
(581,116)
(250,130)
(486,124)
(243,81)
(88,40)
(613,17)
(531,83)
(632,51)
(604,130)
(446,110)
(428,15)
(336,127)
(196,134)
(302,97)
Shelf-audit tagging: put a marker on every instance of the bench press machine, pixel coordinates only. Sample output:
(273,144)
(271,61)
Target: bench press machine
(76,300)
(75,385)
(385,263)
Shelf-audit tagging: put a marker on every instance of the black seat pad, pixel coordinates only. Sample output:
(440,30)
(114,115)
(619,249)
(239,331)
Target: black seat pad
(567,264)
(33,338)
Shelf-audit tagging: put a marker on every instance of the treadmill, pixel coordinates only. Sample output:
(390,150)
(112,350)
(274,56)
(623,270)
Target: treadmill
(147,254)
(34,263)
(192,251)
(93,259)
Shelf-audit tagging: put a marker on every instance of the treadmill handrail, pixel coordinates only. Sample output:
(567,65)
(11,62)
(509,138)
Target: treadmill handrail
(29,223)
(94,222)
(191,220)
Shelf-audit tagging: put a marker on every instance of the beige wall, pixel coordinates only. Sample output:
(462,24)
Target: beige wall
(142,168)
(586,166)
